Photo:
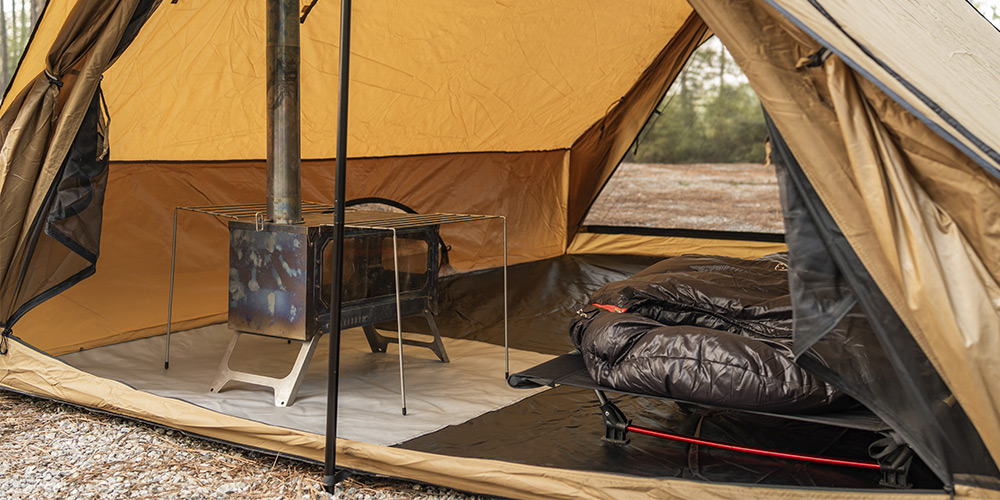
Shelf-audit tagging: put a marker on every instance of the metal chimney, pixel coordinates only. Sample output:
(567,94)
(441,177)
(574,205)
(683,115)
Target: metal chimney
(284,183)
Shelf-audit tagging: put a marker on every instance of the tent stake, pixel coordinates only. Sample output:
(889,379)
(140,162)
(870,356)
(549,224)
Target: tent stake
(331,477)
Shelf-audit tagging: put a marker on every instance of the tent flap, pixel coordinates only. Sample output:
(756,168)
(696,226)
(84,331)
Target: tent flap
(895,379)
(54,157)
(917,243)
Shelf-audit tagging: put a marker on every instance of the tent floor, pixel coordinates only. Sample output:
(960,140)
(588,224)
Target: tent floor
(369,397)
(466,409)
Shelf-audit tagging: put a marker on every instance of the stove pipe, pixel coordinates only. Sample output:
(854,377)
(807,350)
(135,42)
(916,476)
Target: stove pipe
(284,183)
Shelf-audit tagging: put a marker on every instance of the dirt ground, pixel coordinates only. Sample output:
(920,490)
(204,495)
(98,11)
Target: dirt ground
(722,197)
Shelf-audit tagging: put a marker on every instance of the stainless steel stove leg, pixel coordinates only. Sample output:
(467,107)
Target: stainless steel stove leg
(285,388)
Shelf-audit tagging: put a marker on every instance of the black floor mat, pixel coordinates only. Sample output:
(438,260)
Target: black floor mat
(562,427)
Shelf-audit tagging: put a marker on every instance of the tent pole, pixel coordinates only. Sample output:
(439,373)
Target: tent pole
(331,477)
(284,183)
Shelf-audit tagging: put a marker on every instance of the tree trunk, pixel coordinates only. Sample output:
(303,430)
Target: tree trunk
(4,73)
(15,27)
(723,56)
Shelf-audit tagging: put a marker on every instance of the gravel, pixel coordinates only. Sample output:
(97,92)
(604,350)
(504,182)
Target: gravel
(54,450)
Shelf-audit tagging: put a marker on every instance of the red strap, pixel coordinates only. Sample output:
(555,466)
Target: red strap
(755,451)
(607,307)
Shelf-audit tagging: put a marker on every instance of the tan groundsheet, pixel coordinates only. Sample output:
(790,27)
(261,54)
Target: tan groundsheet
(669,246)
(921,216)
(27,370)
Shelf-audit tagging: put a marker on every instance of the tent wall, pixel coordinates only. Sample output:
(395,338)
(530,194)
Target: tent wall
(635,244)
(847,333)
(936,43)
(596,154)
(877,171)
(127,297)
(53,170)
(429,132)
(428,77)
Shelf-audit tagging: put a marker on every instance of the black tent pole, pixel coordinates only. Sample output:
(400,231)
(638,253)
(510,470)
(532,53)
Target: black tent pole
(331,477)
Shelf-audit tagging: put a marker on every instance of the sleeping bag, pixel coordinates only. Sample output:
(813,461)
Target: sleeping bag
(706,329)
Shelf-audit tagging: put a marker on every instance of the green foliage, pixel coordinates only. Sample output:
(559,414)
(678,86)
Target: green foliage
(17,20)
(710,115)
(989,9)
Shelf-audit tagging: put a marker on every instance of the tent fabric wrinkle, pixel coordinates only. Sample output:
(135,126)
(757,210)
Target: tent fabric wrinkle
(422,84)
(944,282)
(842,315)
(895,51)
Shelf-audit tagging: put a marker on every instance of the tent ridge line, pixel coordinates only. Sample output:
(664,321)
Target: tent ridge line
(940,112)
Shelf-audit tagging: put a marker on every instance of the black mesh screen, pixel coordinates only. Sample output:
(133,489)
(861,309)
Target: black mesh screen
(876,361)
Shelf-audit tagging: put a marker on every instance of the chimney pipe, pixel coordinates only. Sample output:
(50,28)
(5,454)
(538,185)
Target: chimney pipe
(284,183)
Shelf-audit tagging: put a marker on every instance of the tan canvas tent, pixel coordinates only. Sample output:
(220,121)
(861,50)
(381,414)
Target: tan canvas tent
(123,110)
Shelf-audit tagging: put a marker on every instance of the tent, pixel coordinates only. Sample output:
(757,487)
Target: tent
(122,110)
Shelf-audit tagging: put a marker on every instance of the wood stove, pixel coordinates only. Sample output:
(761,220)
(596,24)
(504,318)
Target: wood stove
(279,284)
(279,281)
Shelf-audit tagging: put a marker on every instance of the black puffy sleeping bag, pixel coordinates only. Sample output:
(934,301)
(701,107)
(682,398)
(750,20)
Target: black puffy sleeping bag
(705,329)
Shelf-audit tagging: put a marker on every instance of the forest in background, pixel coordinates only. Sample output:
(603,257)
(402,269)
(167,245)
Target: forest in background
(709,115)
(17,20)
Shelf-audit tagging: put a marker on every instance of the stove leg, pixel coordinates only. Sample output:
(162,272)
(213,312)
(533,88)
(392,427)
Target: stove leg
(437,346)
(379,343)
(285,388)
(376,341)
